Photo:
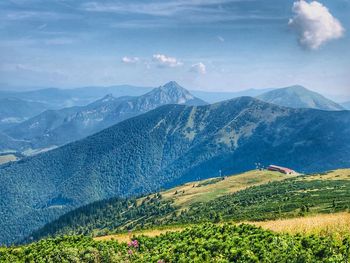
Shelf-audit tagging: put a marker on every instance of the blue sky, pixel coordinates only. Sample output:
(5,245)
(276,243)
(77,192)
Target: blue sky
(203,44)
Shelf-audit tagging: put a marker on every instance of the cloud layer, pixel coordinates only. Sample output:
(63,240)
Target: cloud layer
(314,24)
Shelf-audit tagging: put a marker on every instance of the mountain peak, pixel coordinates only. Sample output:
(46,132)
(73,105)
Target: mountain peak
(299,97)
(173,93)
(296,88)
(108,97)
(172,83)
(172,86)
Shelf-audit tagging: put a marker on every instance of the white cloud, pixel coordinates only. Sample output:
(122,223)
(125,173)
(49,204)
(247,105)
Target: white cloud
(314,24)
(165,61)
(130,60)
(161,8)
(199,68)
(221,39)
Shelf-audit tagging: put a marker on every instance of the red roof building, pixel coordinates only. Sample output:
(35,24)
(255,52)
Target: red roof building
(280,169)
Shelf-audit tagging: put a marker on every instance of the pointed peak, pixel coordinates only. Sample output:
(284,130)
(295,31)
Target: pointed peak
(108,96)
(173,93)
(172,85)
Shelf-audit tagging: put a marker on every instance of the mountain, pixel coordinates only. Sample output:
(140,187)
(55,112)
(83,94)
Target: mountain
(14,111)
(213,97)
(60,98)
(7,144)
(168,146)
(346,105)
(299,97)
(208,200)
(69,124)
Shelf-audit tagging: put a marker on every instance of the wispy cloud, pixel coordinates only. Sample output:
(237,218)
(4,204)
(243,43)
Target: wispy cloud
(163,8)
(130,60)
(221,39)
(314,24)
(59,41)
(178,12)
(50,41)
(199,68)
(21,67)
(12,15)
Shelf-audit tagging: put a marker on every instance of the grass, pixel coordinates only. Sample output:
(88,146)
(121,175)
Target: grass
(125,237)
(336,225)
(196,192)
(7,158)
(339,174)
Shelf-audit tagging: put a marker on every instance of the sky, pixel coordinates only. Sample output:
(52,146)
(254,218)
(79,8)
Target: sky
(218,45)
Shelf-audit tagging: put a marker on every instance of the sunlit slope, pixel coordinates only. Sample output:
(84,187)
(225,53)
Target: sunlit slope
(101,217)
(206,190)
(251,196)
(336,225)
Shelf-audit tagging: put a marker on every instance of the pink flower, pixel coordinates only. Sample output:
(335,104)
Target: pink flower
(135,243)
(130,252)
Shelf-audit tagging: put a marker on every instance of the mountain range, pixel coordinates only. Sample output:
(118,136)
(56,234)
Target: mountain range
(53,128)
(59,98)
(58,127)
(14,111)
(299,97)
(168,146)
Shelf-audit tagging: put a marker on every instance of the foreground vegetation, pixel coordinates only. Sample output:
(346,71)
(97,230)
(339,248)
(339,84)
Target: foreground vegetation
(202,243)
(252,196)
(336,225)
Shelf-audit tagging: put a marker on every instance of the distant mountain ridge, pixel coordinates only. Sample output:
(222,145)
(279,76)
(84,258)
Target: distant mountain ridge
(217,96)
(7,144)
(299,97)
(14,111)
(168,146)
(346,105)
(58,127)
(60,98)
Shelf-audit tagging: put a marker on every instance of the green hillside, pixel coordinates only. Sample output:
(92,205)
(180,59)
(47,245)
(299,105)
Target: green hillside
(255,195)
(168,146)
(202,243)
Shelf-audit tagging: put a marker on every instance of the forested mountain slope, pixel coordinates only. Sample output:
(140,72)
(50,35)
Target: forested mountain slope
(58,127)
(168,146)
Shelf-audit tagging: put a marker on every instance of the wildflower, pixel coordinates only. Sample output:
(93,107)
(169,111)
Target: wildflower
(135,243)
(130,252)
